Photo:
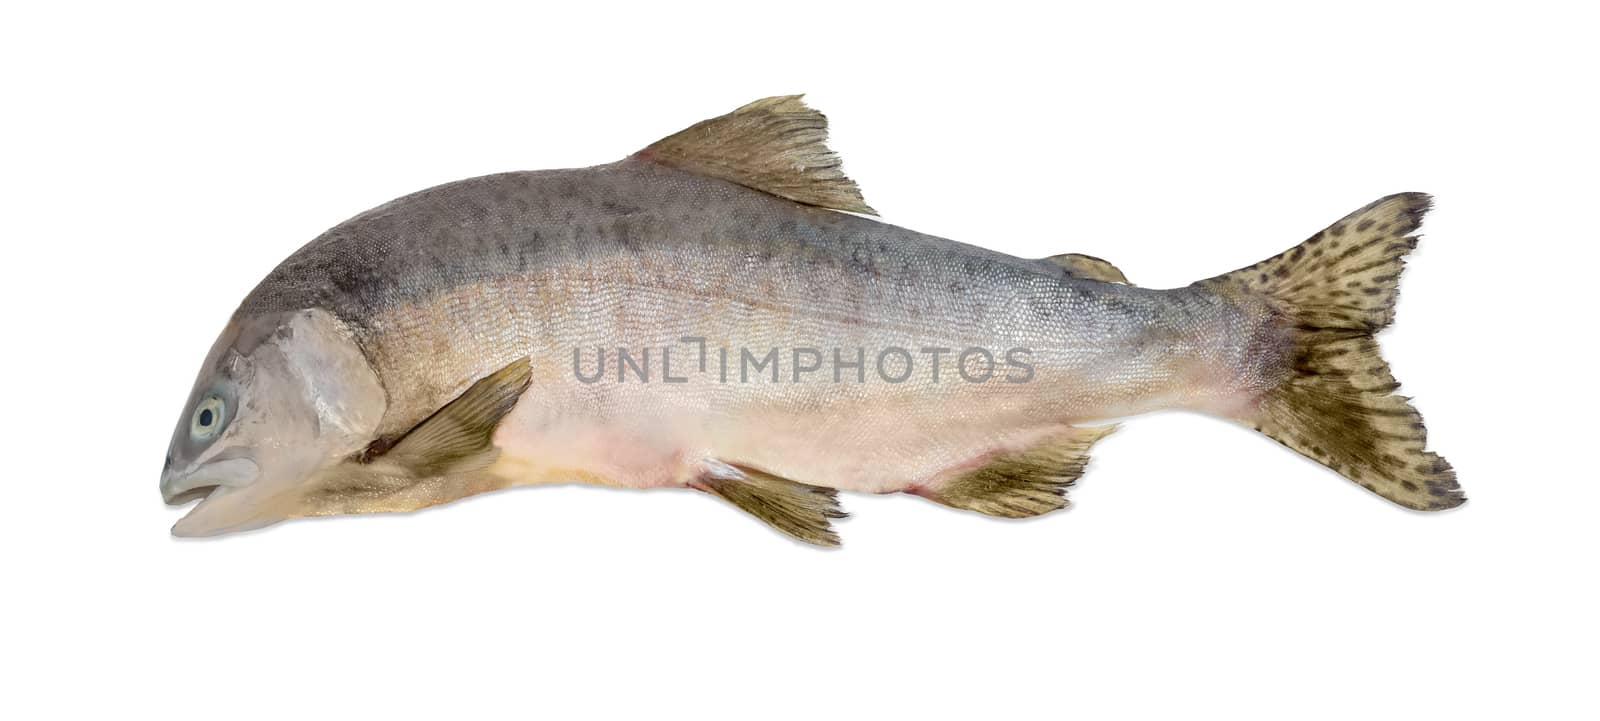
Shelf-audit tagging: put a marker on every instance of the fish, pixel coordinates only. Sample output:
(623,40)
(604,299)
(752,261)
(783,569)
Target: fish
(722,311)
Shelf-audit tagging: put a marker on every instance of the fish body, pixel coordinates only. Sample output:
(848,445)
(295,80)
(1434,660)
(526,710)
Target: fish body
(701,315)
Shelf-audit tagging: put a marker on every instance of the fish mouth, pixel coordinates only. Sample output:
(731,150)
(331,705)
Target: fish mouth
(198,493)
(227,495)
(178,489)
(222,509)
(226,509)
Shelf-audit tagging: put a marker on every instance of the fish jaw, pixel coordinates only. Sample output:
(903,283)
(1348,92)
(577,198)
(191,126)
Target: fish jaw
(224,509)
(233,496)
(177,488)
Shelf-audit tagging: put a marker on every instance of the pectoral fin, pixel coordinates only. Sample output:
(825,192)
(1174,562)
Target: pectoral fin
(802,511)
(459,437)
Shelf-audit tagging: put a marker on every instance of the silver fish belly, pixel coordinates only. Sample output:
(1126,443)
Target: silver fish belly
(701,315)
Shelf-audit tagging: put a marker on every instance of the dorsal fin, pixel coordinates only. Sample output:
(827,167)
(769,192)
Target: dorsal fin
(1088,267)
(774,145)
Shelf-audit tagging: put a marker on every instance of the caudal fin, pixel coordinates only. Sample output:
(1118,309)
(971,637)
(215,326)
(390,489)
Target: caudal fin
(1337,405)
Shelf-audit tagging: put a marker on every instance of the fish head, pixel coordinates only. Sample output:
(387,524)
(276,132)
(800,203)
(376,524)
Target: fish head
(281,397)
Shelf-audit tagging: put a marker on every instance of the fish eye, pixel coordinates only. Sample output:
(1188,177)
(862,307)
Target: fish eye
(208,418)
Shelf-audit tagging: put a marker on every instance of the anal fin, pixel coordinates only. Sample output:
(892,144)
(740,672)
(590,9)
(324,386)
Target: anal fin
(803,512)
(1023,483)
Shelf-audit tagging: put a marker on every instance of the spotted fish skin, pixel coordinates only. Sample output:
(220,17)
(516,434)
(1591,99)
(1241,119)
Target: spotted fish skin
(638,255)
(697,251)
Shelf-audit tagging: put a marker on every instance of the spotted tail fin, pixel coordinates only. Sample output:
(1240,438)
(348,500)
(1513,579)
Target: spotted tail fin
(1337,404)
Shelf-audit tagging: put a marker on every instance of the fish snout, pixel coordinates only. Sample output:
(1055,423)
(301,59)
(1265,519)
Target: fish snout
(179,486)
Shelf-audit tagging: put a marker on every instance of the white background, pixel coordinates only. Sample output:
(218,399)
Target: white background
(158,161)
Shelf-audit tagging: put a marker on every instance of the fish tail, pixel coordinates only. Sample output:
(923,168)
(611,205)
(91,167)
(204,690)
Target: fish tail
(1336,402)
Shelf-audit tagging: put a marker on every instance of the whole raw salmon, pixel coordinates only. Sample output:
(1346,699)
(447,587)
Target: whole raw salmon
(701,314)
